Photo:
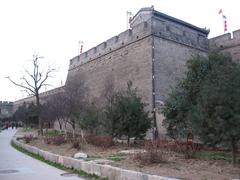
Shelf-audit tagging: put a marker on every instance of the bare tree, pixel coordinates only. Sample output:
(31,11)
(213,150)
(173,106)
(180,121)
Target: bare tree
(108,95)
(76,101)
(33,81)
(55,108)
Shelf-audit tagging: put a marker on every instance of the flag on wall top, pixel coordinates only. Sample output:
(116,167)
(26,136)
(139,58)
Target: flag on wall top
(130,16)
(224,18)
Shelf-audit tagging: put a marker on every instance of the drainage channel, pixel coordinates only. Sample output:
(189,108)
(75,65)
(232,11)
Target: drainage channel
(68,174)
(8,171)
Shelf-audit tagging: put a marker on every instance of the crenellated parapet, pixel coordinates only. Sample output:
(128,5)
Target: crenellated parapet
(181,32)
(123,39)
(148,22)
(225,41)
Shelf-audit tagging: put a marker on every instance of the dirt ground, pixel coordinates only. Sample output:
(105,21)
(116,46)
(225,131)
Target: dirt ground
(176,165)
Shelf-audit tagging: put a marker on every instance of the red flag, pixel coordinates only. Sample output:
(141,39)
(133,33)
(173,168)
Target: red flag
(224,20)
(130,19)
(225,26)
(130,16)
(81,48)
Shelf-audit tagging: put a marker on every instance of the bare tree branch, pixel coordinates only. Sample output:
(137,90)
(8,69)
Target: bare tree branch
(46,77)
(35,85)
(29,94)
(29,74)
(20,85)
(25,80)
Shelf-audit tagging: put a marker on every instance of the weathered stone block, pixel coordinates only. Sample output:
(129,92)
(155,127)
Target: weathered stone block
(154,177)
(86,166)
(60,160)
(77,164)
(41,152)
(132,175)
(51,157)
(95,169)
(110,172)
(68,161)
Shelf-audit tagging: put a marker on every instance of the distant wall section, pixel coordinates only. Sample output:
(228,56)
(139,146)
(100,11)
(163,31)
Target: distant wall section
(227,44)
(43,96)
(6,109)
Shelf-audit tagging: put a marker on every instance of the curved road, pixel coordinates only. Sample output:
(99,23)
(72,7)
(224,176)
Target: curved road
(15,165)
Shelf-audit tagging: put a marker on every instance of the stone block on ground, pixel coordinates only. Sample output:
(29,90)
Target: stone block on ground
(80,155)
(133,151)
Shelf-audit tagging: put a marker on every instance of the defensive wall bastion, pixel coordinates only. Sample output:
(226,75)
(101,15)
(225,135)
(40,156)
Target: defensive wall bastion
(152,54)
(227,44)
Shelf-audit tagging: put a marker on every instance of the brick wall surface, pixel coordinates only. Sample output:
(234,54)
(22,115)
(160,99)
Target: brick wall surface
(131,62)
(227,44)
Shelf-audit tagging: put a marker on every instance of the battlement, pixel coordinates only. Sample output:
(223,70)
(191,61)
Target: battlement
(225,41)
(173,29)
(148,22)
(127,37)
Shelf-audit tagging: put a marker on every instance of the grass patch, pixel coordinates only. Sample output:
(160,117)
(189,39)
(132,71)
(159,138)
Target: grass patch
(117,157)
(80,173)
(92,158)
(52,132)
(214,155)
(27,129)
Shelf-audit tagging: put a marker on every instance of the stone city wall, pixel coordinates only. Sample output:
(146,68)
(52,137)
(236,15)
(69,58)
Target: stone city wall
(152,54)
(227,44)
(174,43)
(121,58)
(32,99)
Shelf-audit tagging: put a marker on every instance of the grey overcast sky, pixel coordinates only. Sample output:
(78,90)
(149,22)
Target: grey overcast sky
(53,28)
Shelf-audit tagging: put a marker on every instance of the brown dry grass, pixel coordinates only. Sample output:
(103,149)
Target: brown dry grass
(176,166)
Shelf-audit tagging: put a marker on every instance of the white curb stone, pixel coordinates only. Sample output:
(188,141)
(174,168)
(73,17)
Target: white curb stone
(102,170)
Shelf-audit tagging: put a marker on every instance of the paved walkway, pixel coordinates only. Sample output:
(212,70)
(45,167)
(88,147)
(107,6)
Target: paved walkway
(15,165)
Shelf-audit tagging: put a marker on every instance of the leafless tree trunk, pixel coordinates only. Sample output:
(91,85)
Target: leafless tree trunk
(55,107)
(32,82)
(76,101)
(108,95)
